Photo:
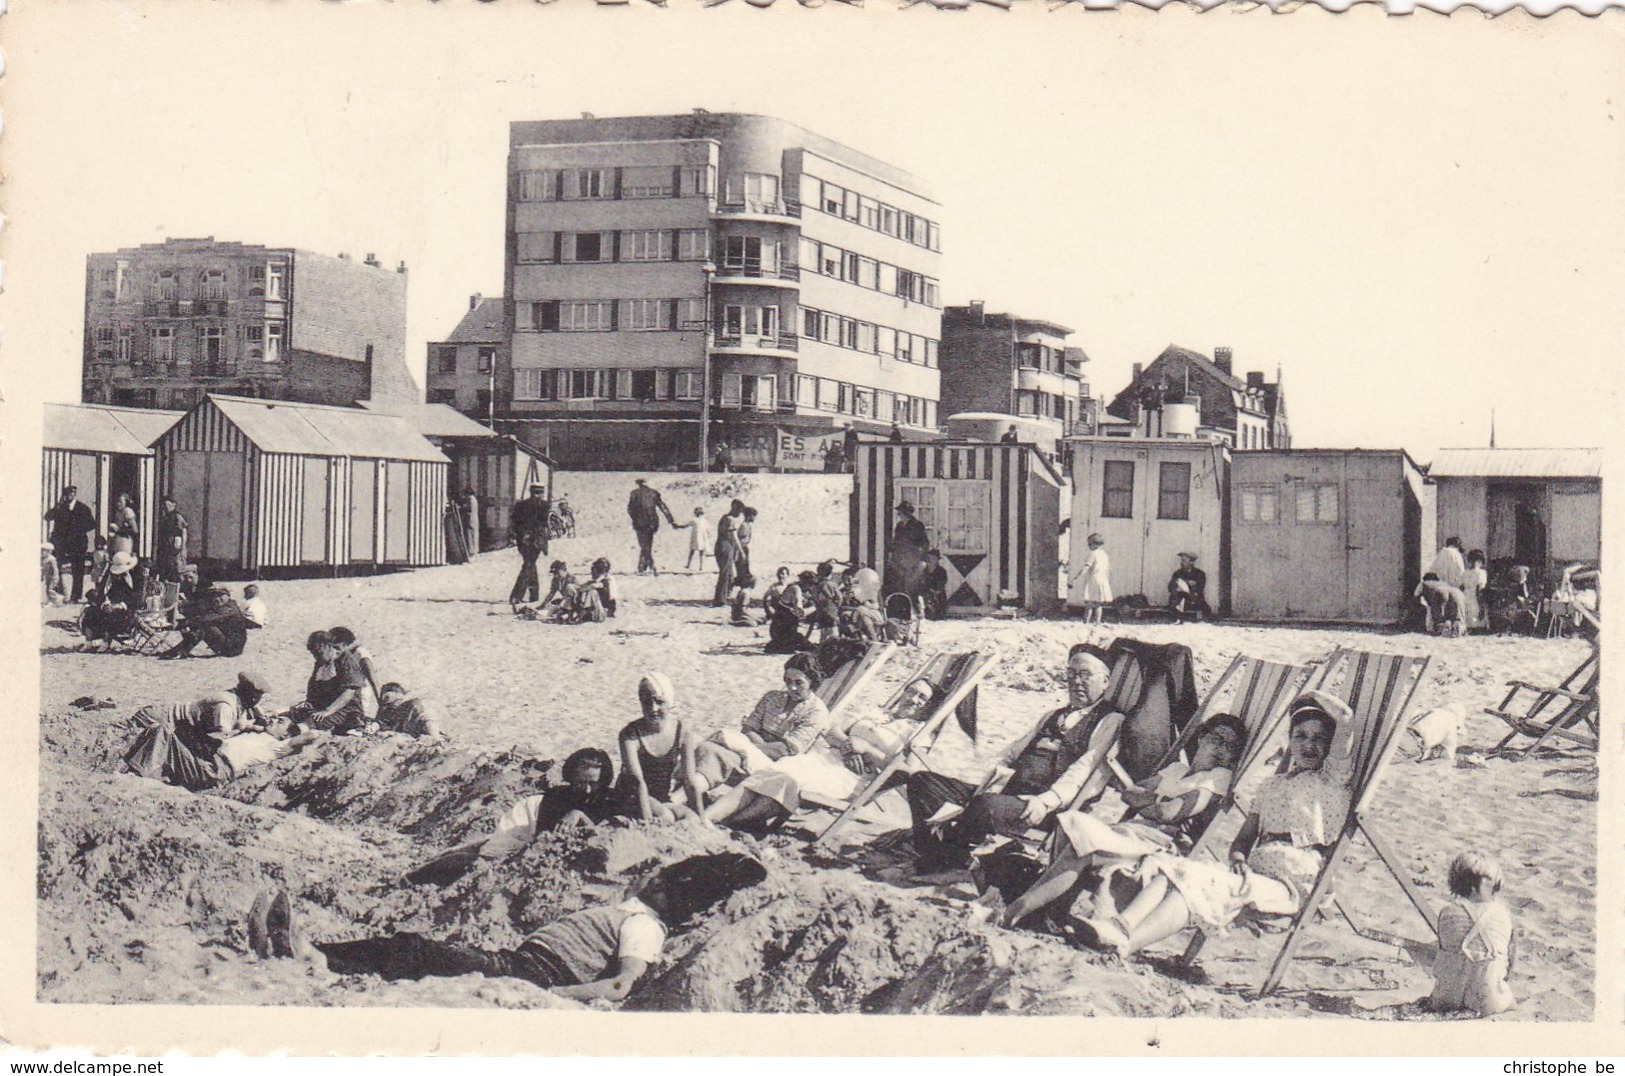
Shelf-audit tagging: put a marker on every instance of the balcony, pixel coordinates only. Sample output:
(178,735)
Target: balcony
(161,308)
(751,343)
(752,207)
(184,308)
(757,273)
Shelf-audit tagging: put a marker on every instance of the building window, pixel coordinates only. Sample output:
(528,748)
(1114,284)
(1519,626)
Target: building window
(1260,504)
(256,280)
(885,406)
(806,390)
(273,341)
(165,286)
(274,274)
(699,182)
(163,344)
(868,273)
(830,260)
(212,284)
(1316,503)
(212,344)
(686,384)
(446,360)
(647,181)
(540,185)
(644,315)
(829,394)
(647,245)
(1174,491)
(759,392)
(643,384)
(593,316)
(691,314)
(585,184)
(866,337)
(485,359)
(528,384)
(905,346)
(124,344)
(586,384)
(441,396)
(537,247)
(693,244)
(834,198)
(589,246)
(544,316)
(104,335)
(1117,490)
(931,354)
(868,212)
(965,519)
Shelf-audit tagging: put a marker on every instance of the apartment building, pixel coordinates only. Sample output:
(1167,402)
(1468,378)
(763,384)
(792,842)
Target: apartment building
(167,322)
(729,269)
(470,370)
(1009,365)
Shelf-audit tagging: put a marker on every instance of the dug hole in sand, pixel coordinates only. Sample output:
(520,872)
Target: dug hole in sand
(144,889)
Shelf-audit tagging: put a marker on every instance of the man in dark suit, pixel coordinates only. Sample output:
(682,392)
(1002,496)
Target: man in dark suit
(1187,590)
(529,528)
(73,531)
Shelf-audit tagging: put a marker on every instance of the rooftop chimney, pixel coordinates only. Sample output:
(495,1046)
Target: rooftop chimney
(978,310)
(401,268)
(372,260)
(343,257)
(1255,379)
(474,301)
(1137,371)
(1222,358)
(588,116)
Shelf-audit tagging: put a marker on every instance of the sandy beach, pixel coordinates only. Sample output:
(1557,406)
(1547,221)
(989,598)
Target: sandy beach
(144,889)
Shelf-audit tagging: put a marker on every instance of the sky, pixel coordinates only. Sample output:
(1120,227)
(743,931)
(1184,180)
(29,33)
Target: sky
(1417,220)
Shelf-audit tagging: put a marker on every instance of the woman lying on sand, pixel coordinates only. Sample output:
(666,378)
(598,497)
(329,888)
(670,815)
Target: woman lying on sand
(1171,805)
(834,768)
(657,759)
(1275,859)
(783,723)
(598,952)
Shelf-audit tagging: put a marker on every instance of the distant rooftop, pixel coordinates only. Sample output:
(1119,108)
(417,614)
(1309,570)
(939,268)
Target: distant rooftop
(1517,463)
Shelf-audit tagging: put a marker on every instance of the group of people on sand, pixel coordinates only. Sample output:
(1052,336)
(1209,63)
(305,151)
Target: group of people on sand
(1457,596)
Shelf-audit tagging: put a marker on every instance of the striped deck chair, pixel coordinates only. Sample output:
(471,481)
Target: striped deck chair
(1562,712)
(1378,689)
(843,685)
(957,675)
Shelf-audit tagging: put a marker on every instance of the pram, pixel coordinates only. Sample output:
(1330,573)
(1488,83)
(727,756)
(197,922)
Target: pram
(151,629)
(904,615)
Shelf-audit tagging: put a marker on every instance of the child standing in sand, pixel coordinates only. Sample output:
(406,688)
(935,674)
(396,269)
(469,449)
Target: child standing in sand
(1475,941)
(1096,578)
(699,537)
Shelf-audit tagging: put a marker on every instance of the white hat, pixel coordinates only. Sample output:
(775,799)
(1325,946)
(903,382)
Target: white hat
(122,562)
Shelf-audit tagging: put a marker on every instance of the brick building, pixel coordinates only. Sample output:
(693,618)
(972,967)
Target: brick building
(1244,414)
(470,370)
(166,323)
(1004,364)
(662,268)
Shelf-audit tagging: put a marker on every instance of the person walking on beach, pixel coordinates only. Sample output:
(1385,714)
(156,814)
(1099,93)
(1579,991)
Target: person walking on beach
(529,529)
(170,543)
(73,526)
(728,552)
(646,506)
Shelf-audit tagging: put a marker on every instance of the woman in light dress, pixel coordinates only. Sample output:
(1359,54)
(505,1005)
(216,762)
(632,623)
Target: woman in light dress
(834,769)
(1275,859)
(1473,581)
(1095,575)
(123,530)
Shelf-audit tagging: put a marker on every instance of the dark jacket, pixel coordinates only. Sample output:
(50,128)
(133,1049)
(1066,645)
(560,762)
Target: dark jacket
(71,527)
(646,506)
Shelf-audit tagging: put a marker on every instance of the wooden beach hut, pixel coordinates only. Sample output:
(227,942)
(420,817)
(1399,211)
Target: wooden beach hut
(1326,535)
(993,511)
(499,468)
(270,485)
(104,451)
(1151,499)
(1540,507)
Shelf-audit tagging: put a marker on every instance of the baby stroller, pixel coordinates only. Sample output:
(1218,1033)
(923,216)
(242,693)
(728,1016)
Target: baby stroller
(904,614)
(151,629)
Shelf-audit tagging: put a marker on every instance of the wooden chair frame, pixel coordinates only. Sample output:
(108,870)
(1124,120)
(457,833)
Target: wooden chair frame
(1577,697)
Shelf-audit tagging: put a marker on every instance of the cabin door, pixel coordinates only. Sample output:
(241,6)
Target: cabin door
(363,510)
(956,513)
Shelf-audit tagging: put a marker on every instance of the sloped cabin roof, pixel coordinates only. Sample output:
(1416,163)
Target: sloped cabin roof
(1517,463)
(482,325)
(126,431)
(432,419)
(321,430)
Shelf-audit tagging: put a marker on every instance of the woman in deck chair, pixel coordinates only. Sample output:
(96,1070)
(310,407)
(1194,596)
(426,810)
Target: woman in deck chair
(834,768)
(1274,860)
(783,723)
(1164,810)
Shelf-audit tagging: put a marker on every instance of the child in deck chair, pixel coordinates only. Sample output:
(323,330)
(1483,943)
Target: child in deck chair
(1475,942)
(1274,860)
(1169,805)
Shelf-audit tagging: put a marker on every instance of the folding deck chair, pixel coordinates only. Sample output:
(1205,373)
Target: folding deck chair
(1378,689)
(1561,712)
(843,684)
(957,676)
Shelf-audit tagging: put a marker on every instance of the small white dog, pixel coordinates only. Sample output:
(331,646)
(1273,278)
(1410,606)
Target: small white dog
(1437,732)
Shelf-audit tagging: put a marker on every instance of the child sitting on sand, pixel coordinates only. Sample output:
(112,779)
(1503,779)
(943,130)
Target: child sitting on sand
(1475,942)
(346,640)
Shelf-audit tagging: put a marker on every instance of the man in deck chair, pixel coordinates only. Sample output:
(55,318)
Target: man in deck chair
(1047,771)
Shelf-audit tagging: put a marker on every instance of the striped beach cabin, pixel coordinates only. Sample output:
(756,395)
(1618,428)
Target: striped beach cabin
(104,451)
(274,486)
(993,510)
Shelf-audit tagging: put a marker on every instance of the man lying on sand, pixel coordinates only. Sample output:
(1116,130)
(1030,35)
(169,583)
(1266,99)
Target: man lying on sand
(599,952)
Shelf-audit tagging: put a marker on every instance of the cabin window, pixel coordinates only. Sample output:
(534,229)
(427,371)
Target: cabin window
(1317,503)
(1117,490)
(1174,491)
(1260,504)
(924,499)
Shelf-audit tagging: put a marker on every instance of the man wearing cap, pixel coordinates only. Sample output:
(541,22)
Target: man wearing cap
(186,743)
(73,529)
(529,528)
(211,617)
(1187,590)
(646,506)
(905,554)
